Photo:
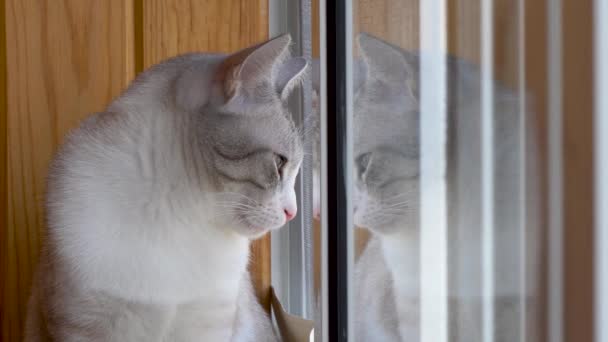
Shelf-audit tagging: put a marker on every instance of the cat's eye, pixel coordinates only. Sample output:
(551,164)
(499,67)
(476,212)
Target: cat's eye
(363,162)
(280,162)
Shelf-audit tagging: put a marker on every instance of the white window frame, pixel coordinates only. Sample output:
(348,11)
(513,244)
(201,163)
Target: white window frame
(433,160)
(601,167)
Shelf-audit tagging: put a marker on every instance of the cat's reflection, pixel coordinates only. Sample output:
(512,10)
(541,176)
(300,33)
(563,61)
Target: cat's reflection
(387,193)
(386,200)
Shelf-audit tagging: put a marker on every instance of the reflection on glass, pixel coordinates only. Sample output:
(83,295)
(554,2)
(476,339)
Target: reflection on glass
(387,190)
(386,150)
(387,201)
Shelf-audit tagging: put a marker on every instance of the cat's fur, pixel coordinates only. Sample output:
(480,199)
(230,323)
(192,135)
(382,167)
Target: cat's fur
(151,205)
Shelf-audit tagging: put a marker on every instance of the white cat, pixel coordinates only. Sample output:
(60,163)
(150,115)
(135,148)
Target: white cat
(152,204)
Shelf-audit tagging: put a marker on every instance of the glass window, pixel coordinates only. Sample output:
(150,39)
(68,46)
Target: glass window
(440,207)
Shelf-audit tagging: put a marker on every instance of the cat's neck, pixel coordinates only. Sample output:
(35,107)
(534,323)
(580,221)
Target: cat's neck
(401,252)
(402,255)
(181,264)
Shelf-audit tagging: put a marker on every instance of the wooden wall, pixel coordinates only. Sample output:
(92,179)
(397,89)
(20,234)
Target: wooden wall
(577,106)
(59,61)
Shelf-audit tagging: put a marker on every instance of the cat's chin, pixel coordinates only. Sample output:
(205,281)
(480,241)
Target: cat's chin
(389,228)
(384,230)
(252,232)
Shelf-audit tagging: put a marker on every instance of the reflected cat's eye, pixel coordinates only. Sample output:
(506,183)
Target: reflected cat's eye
(280,162)
(363,162)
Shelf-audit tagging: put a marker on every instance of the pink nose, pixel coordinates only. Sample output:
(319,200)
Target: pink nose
(290,214)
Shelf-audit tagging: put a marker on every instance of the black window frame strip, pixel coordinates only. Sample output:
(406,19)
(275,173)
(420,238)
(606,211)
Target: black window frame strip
(337,230)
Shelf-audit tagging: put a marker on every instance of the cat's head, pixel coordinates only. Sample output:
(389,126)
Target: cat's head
(386,144)
(385,137)
(252,149)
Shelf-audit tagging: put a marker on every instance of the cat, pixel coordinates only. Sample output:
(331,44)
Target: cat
(151,205)
(387,200)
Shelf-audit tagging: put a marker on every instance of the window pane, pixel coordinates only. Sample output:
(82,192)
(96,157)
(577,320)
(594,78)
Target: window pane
(446,175)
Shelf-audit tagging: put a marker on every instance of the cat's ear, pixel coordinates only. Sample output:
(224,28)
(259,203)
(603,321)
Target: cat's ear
(384,61)
(253,66)
(289,75)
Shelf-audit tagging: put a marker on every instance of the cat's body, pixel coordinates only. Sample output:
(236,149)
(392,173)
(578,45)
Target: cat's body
(375,310)
(151,205)
(67,312)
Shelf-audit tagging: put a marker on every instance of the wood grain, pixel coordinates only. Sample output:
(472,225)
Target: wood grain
(577,96)
(395,21)
(464,37)
(578,134)
(260,270)
(3,164)
(172,27)
(65,59)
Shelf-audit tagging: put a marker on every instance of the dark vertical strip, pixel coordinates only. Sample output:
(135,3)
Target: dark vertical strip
(3,169)
(578,205)
(138,32)
(336,170)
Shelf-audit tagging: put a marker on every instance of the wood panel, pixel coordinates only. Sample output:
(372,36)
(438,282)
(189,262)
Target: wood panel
(395,21)
(464,36)
(172,27)
(65,59)
(3,162)
(577,97)
(260,270)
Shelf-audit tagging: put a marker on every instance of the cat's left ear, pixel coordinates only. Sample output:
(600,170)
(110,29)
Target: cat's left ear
(243,72)
(387,63)
(289,75)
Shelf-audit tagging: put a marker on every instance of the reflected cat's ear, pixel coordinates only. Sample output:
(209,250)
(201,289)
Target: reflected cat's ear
(384,62)
(289,75)
(249,68)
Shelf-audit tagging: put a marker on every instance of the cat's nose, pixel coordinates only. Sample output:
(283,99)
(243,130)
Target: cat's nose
(290,213)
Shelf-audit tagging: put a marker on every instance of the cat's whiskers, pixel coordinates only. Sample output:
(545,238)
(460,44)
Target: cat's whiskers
(247,214)
(395,197)
(396,205)
(230,193)
(237,205)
